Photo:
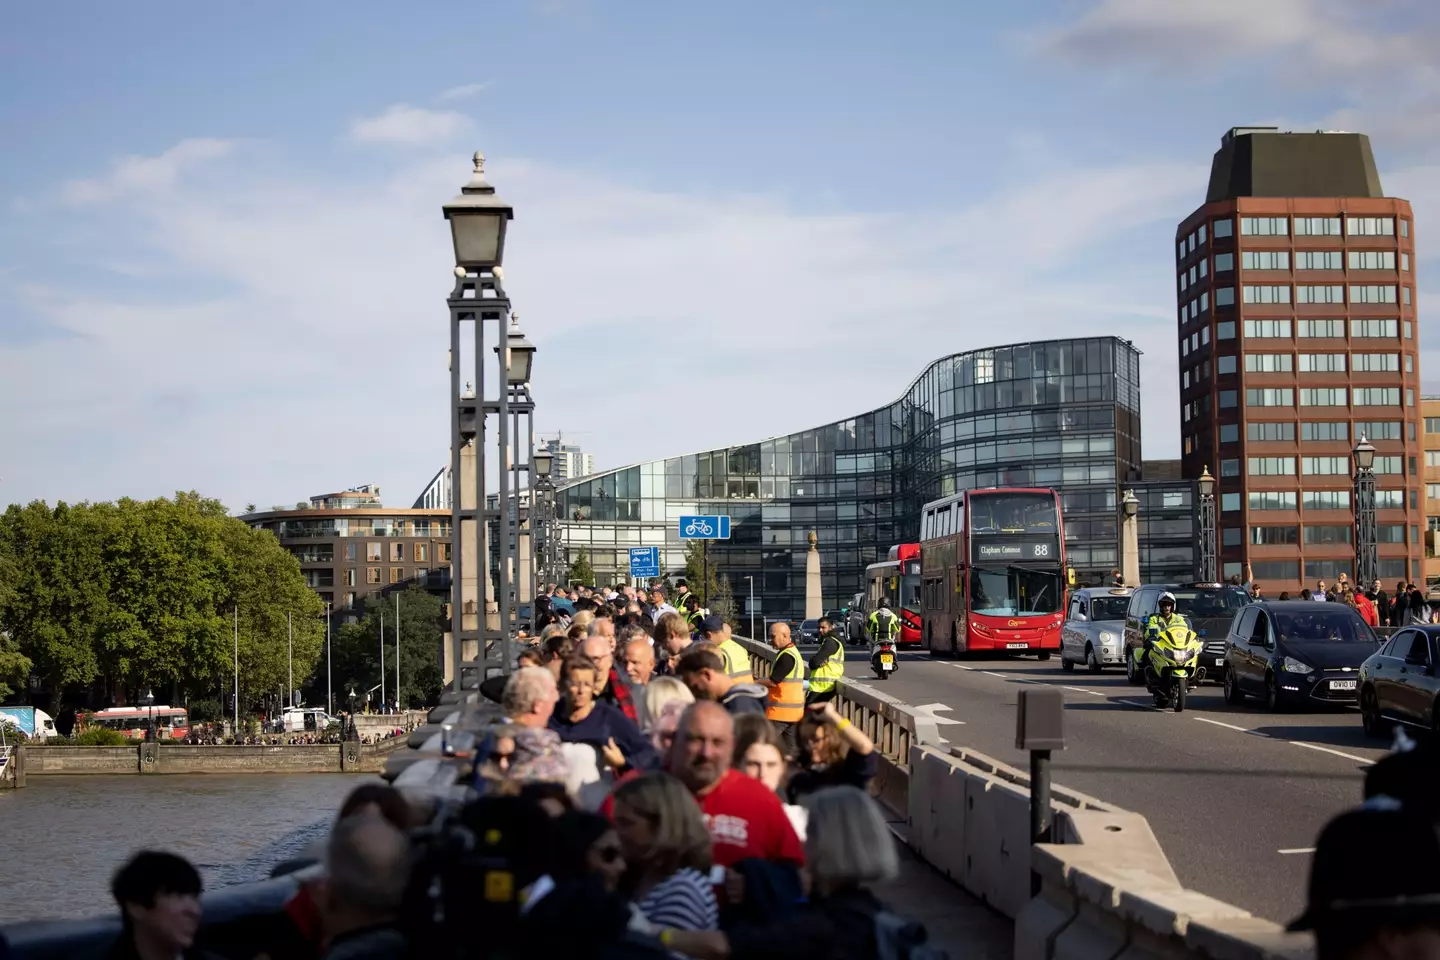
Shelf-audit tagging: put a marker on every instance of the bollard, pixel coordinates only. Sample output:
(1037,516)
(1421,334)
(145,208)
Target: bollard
(1040,728)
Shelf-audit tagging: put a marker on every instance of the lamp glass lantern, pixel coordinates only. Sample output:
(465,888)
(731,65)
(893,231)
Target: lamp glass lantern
(477,222)
(1130,504)
(522,355)
(1206,483)
(1364,454)
(543,462)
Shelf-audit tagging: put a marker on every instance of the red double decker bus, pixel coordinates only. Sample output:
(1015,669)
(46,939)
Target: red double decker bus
(992,572)
(897,579)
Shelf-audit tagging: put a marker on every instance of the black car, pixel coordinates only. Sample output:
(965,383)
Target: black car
(1292,652)
(1398,683)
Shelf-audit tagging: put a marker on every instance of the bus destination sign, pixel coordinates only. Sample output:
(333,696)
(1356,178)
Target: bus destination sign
(987,551)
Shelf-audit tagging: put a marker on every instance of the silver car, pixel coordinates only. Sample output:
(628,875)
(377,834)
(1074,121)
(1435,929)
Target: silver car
(1094,631)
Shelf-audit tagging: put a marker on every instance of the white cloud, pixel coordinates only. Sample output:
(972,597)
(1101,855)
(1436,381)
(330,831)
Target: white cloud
(136,174)
(466,91)
(402,123)
(325,300)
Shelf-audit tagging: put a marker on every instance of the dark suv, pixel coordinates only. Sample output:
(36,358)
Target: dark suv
(1291,652)
(1207,607)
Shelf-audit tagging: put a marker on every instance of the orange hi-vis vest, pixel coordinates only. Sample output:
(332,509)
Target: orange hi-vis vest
(786,703)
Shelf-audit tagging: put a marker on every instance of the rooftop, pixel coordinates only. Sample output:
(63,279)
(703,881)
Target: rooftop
(1265,162)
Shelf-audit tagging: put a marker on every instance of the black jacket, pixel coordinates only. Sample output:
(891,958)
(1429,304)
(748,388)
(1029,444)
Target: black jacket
(838,927)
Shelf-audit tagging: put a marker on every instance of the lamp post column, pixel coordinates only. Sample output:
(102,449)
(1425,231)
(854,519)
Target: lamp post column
(1366,559)
(1130,539)
(1209,566)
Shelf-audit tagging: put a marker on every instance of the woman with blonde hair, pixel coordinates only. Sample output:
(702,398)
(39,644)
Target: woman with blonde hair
(658,692)
(666,844)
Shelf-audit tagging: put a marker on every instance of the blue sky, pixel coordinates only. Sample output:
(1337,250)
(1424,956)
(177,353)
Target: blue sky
(223,265)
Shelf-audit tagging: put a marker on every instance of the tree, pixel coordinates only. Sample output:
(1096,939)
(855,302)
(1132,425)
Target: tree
(581,570)
(14,666)
(249,508)
(355,650)
(707,587)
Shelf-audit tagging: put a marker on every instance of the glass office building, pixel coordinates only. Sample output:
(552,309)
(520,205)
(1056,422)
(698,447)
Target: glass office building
(1057,413)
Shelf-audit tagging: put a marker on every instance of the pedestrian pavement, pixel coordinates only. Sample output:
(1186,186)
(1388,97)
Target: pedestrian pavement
(958,923)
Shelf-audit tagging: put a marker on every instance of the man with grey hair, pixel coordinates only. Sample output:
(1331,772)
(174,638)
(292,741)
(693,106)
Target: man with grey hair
(610,685)
(367,867)
(530,697)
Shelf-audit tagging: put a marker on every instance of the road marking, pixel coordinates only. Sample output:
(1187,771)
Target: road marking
(1347,756)
(961,666)
(930,711)
(1143,706)
(1292,852)
(1230,726)
(991,674)
(1083,690)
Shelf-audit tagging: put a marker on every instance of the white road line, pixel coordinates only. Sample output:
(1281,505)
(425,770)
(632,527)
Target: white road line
(1143,706)
(1230,726)
(1081,690)
(990,674)
(1292,852)
(961,666)
(1347,756)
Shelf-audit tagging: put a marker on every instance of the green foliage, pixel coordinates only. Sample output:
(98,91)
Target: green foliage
(580,569)
(355,651)
(206,711)
(695,573)
(14,666)
(13,735)
(101,737)
(137,594)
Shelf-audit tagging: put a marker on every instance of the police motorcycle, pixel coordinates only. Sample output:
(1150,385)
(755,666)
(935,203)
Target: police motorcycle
(1173,659)
(883,660)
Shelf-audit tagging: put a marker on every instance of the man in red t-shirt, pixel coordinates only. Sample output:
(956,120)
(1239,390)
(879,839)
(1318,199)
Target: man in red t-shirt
(745,819)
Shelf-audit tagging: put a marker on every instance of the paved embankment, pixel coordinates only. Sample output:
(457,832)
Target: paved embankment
(165,758)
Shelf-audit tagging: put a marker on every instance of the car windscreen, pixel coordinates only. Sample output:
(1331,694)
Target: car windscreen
(810,625)
(1209,601)
(1343,625)
(1109,608)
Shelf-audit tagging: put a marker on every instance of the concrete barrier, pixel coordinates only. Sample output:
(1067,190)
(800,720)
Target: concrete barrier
(1107,891)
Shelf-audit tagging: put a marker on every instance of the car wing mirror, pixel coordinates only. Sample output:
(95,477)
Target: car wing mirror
(1080,618)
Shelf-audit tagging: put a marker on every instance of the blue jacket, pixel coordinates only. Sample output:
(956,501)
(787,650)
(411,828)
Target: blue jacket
(603,723)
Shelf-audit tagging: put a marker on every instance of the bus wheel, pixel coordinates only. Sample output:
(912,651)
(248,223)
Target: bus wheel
(1044,654)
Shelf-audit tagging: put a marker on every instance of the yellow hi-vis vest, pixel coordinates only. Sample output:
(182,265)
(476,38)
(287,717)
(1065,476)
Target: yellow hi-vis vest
(786,703)
(823,677)
(737,661)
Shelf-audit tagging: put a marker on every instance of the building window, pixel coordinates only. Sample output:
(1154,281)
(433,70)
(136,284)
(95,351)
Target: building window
(1390,533)
(1180,249)
(1267,328)
(1276,569)
(1322,293)
(1225,331)
(1409,363)
(1230,536)
(1409,331)
(1390,499)
(1269,432)
(1325,500)
(1229,501)
(1432,492)
(1405,296)
(1224,228)
(1372,259)
(1370,226)
(422,553)
(1325,466)
(1228,399)
(350,577)
(1270,397)
(1388,465)
(373,553)
(1379,429)
(1317,226)
(1230,433)
(1404,228)
(1373,329)
(1265,294)
(1225,364)
(1322,363)
(397,574)
(372,574)
(1272,500)
(1224,262)
(1224,296)
(1334,329)
(1204,269)
(1318,260)
(1327,533)
(1264,227)
(1377,396)
(1205,299)
(1229,468)
(1405,262)
(1270,466)
(1200,232)
(1372,293)
(1204,335)
(351,551)
(1190,241)
(397,553)
(442,552)
(349,601)
(1323,397)
(1432,425)
(1377,363)
(1274,536)
(1265,260)
(1324,431)
(1267,363)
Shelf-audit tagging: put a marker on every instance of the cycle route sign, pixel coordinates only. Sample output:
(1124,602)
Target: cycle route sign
(705,528)
(644,562)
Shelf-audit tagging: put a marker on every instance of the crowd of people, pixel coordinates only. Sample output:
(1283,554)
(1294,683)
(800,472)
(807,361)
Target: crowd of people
(1406,606)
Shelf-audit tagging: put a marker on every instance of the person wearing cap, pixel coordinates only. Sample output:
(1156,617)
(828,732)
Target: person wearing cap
(737,661)
(1374,891)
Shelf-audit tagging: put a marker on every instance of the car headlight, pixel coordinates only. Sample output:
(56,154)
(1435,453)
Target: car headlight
(1291,665)
(1106,637)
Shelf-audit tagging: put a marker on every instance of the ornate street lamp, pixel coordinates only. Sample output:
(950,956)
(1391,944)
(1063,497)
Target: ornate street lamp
(149,701)
(522,355)
(1209,567)
(1366,559)
(477,222)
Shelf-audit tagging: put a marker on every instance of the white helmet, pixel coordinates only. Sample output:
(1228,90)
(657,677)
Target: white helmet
(1165,597)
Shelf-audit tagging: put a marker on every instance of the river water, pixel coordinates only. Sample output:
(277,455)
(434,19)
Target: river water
(61,838)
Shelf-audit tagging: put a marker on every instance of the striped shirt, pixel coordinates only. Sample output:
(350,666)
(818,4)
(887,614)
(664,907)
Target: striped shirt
(684,901)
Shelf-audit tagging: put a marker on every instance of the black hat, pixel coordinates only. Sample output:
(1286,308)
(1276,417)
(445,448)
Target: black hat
(712,624)
(1410,775)
(1375,861)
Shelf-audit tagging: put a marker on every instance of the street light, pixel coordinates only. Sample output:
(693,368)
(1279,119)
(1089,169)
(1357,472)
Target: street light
(477,222)
(522,355)
(1130,539)
(1366,559)
(1206,486)
(1130,504)
(544,462)
(149,701)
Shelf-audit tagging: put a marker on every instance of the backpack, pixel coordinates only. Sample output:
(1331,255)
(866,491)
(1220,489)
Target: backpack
(899,939)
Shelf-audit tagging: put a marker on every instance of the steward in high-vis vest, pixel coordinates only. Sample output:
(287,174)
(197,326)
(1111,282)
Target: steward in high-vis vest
(737,660)
(828,664)
(786,703)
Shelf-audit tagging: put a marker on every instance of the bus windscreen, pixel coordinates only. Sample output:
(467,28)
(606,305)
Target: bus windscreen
(1015,591)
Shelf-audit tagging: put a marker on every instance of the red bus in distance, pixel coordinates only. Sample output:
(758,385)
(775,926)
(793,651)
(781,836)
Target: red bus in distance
(898,579)
(992,572)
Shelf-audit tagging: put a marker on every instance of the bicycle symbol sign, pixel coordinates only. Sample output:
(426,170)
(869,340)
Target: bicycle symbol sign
(705,528)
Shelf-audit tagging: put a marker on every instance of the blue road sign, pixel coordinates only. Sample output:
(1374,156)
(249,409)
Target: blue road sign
(644,561)
(705,528)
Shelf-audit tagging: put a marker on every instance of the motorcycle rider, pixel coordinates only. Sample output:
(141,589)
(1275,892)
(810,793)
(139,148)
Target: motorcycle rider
(883,624)
(1157,624)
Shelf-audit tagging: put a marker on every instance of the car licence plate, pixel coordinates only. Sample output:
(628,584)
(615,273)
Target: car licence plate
(1219,661)
(887,658)
(1017,646)
(1342,684)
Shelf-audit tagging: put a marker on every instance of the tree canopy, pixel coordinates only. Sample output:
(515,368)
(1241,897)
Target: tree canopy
(355,651)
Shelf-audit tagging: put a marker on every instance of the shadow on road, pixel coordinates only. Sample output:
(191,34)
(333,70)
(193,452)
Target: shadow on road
(1333,736)
(1231,772)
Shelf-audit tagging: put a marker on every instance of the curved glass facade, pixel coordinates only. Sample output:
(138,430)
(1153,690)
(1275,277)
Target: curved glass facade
(1057,413)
